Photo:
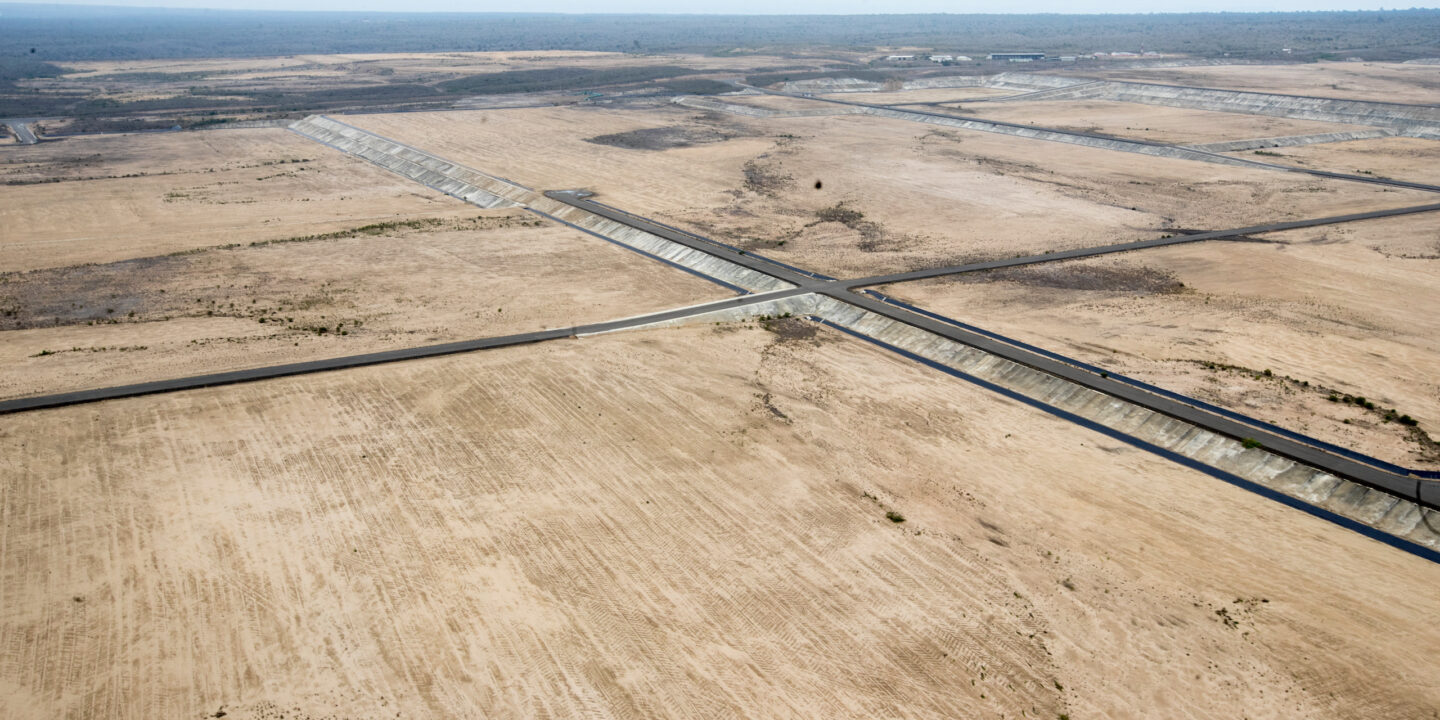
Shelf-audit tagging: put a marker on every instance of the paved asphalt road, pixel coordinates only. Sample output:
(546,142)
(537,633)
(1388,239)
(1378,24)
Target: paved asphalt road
(353,361)
(1138,245)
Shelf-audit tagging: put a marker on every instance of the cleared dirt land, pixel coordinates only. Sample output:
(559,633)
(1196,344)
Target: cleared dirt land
(1148,122)
(495,273)
(677,523)
(924,195)
(1344,311)
(1380,82)
(1402,158)
(921,95)
(107,198)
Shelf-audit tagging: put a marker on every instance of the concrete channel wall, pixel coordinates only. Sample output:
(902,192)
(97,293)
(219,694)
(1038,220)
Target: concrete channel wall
(488,191)
(1292,141)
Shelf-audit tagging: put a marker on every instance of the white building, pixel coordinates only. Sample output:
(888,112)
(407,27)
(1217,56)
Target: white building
(942,58)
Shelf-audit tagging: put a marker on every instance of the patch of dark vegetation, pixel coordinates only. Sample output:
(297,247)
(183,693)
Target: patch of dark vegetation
(765,179)
(788,328)
(556,79)
(146,289)
(894,517)
(767,401)
(697,86)
(872,235)
(1428,448)
(13,69)
(765,79)
(838,213)
(662,138)
(1064,276)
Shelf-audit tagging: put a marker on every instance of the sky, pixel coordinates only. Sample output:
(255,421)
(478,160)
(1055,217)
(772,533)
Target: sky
(828,7)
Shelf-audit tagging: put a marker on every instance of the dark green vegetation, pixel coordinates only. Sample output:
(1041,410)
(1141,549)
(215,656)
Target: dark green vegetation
(107,33)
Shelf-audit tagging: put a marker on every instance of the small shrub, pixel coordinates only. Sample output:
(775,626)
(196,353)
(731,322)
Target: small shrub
(1251,443)
(894,517)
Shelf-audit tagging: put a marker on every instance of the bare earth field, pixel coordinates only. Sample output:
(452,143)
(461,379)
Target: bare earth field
(719,520)
(783,102)
(1356,314)
(926,195)
(1149,122)
(669,524)
(129,196)
(1402,158)
(498,273)
(1380,82)
(921,95)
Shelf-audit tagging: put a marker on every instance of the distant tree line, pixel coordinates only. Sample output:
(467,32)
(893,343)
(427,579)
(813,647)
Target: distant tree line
(108,33)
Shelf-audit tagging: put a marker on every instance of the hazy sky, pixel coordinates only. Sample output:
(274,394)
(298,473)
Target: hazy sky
(761,6)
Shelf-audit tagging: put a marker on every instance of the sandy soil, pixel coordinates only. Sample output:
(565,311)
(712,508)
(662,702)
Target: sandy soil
(1380,82)
(154,194)
(782,102)
(1357,314)
(497,273)
(677,523)
(924,95)
(1402,158)
(1148,122)
(928,196)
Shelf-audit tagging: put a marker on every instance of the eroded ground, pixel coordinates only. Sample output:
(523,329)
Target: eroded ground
(669,524)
